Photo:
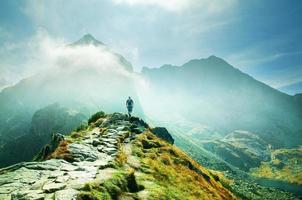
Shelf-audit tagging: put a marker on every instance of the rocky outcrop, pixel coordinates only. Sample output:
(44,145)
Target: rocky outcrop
(49,148)
(163,133)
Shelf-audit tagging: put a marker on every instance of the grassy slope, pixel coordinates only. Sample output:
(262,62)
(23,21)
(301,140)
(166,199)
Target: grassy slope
(168,173)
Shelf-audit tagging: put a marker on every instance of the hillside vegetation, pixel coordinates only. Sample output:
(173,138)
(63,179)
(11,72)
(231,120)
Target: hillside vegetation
(285,165)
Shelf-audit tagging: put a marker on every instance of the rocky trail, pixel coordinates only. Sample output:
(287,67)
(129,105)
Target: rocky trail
(60,179)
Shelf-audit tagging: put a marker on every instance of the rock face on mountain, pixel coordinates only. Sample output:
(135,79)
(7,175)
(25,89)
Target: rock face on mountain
(163,133)
(107,160)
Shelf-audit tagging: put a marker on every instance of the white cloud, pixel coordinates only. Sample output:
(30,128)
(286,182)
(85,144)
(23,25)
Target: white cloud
(180,5)
(43,53)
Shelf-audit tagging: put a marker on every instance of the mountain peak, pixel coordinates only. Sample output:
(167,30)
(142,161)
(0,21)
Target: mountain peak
(88,39)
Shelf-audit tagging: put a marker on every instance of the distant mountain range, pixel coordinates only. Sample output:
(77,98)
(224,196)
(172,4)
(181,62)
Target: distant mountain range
(214,93)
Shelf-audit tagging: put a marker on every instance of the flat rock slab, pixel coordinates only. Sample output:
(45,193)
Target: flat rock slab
(68,194)
(52,187)
(47,165)
(112,145)
(62,179)
(110,140)
(29,194)
(83,152)
(68,167)
(112,131)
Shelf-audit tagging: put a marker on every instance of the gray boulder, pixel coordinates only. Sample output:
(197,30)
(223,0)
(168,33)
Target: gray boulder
(163,133)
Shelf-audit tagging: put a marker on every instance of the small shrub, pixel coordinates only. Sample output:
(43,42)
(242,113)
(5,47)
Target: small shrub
(75,135)
(96,116)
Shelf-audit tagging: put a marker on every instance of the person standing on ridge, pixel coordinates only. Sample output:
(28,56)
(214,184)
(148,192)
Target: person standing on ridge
(129,104)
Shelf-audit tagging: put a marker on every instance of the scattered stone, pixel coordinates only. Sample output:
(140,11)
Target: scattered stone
(100,148)
(121,128)
(110,150)
(112,131)
(82,152)
(110,140)
(96,142)
(110,145)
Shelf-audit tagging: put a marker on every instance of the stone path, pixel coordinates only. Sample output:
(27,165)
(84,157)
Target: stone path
(60,180)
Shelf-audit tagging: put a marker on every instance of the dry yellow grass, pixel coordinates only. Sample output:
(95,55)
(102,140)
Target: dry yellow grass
(62,152)
(176,176)
(121,157)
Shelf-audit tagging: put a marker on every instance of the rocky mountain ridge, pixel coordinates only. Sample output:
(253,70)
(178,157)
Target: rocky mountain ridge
(112,158)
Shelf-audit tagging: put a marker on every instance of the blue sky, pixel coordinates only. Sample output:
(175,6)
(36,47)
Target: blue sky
(262,38)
